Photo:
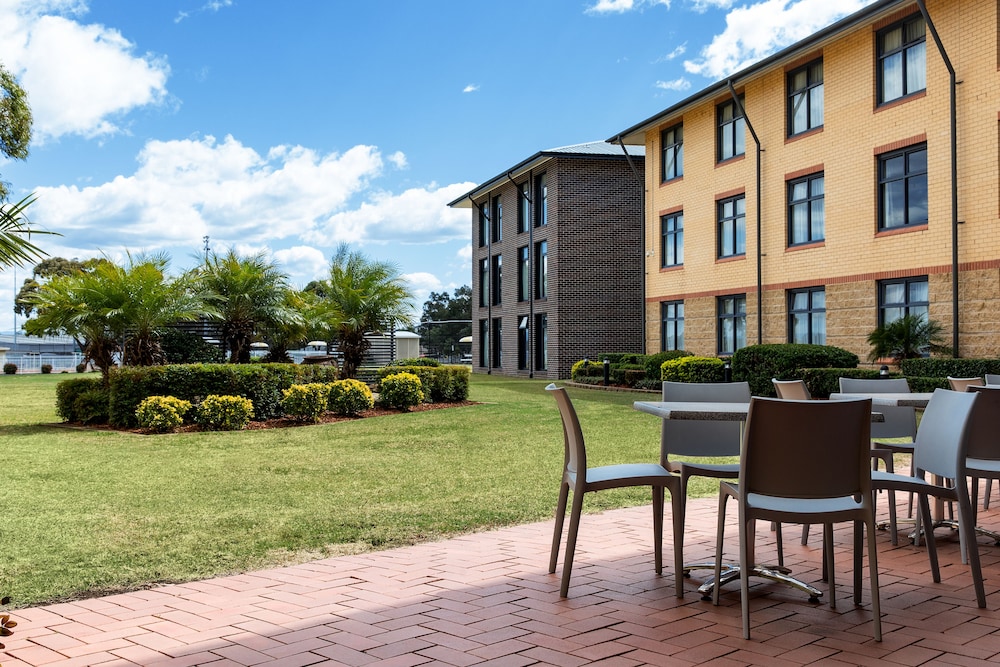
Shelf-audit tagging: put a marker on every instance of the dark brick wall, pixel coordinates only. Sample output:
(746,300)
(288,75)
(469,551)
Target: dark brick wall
(595,288)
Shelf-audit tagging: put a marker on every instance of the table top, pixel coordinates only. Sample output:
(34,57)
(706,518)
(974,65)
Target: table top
(734,412)
(912,400)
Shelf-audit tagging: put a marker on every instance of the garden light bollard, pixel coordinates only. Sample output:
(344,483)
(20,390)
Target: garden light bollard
(607,372)
(883,372)
(727,372)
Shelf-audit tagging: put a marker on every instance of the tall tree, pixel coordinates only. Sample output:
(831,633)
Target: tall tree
(249,296)
(445,320)
(361,296)
(44,271)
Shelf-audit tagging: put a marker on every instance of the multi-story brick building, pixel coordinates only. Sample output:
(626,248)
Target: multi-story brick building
(566,224)
(838,184)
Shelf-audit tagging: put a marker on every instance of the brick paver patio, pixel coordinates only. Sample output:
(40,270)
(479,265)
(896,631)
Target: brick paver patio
(486,599)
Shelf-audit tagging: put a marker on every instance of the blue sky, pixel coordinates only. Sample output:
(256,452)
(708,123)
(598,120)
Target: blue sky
(292,126)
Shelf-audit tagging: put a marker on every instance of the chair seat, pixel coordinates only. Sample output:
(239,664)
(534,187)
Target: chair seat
(627,474)
(799,506)
(700,469)
(905,447)
(906,483)
(979,466)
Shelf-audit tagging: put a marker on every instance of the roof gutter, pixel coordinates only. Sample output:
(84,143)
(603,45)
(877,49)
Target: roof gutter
(642,239)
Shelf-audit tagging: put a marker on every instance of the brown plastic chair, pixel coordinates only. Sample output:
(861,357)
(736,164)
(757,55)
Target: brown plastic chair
(983,458)
(961,384)
(580,479)
(794,390)
(992,378)
(804,462)
(940,449)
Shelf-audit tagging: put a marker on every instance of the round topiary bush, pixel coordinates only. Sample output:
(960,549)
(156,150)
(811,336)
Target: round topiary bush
(350,397)
(9,369)
(225,413)
(402,391)
(46,368)
(305,402)
(162,414)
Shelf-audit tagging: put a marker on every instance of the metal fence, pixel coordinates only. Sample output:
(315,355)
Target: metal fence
(32,362)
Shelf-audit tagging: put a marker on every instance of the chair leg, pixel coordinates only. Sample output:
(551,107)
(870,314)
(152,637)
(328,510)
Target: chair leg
(658,528)
(968,528)
(557,532)
(873,572)
(676,498)
(574,527)
(829,567)
(986,494)
(720,532)
(859,539)
(746,529)
(925,518)
(805,534)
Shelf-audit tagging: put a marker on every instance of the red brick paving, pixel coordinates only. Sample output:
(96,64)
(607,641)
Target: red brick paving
(486,599)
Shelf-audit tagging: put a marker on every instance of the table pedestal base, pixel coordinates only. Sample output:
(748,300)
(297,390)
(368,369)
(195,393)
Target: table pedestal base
(731,572)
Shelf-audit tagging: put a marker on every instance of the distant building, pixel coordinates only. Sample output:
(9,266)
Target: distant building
(567,224)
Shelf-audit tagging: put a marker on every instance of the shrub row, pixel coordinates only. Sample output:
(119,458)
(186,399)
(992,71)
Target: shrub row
(440,384)
(941,367)
(757,364)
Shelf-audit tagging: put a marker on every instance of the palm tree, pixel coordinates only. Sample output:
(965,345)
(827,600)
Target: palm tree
(249,295)
(361,296)
(907,337)
(15,248)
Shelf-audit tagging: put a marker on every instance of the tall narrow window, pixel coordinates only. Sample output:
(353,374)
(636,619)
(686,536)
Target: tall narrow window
(497,340)
(672,230)
(672,323)
(672,159)
(496,279)
(806,210)
(484,282)
(902,191)
(523,207)
(732,217)
(731,130)
(807,316)
(905,296)
(523,274)
(497,219)
(484,226)
(541,341)
(541,201)
(732,313)
(541,270)
(805,98)
(902,59)
(484,343)
(523,342)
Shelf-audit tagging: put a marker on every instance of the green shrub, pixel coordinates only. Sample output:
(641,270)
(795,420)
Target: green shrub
(162,413)
(182,347)
(225,413)
(81,368)
(306,402)
(46,368)
(586,368)
(757,364)
(9,369)
(418,361)
(945,366)
(441,384)
(654,362)
(350,397)
(825,381)
(692,369)
(83,400)
(401,390)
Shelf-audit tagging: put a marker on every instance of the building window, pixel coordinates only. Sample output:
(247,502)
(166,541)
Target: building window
(807,316)
(484,282)
(805,98)
(672,159)
(732,312)
(542,270)
(902,188)
(732,216)
(497,340)
(523,207)
(902,59)
(541,342)
(523,274)
(523,342)
(484,343)
(484,226)
(806,210)
(672,325)
(496,279)
(732,130)
(497,221)
(672,230)
(905,296)
(542,203)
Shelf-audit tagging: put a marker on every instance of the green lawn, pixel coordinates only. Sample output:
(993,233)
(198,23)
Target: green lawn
(89,511)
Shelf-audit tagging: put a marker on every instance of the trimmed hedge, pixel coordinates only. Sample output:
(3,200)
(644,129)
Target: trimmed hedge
(83,400)
(693,369)
(441,384)
(757,364)
(942,367)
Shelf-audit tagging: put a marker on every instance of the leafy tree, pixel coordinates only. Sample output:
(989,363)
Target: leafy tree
(453,316)
(361,296)
(292,330)
(45,270)
(908,337)
(249,295)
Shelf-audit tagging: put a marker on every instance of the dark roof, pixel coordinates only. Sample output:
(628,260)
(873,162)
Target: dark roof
(593,149)
(635,135)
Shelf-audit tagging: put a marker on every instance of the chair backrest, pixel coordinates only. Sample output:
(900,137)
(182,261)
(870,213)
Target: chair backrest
(961,384)
(984,424)
(795,390)
(992,378)
(807,449)
(574,448)
(900,421)
(941,444)
(697,437)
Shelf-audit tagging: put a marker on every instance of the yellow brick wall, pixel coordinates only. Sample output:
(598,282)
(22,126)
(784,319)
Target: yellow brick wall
(853,256)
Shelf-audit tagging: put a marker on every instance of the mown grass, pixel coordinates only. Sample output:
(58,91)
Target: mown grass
(89,512)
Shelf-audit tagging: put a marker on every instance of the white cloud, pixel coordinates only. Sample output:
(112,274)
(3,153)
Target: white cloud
(398,160)
(622,6)
(676,53)
(680,84)
(465,255)
(303,264)
(471,88)
(210,6)
(705,5)
(755,31)
(80,79)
